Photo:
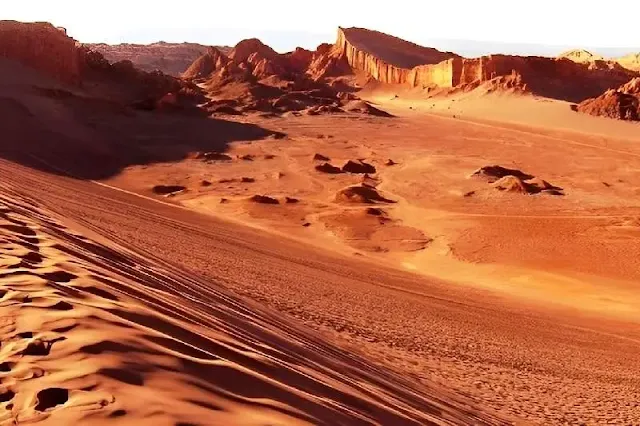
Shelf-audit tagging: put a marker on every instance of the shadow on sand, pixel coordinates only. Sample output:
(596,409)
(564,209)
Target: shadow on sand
(95,139)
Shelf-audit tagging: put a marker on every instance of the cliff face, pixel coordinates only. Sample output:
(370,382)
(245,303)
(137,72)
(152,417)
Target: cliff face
(395,61)
(43,47)
(385,58)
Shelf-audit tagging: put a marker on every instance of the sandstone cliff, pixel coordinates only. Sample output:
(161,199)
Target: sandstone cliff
(385,58)
(575,76)
(43,47)
(549,77)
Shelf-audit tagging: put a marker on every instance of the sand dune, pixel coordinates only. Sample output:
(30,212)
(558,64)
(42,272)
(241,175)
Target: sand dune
(296,263)
(93,334)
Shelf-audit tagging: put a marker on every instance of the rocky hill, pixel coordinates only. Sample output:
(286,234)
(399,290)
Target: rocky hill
(622,103)
(391,60)
(255,78)
(43,47)
(170,58)
(79,71)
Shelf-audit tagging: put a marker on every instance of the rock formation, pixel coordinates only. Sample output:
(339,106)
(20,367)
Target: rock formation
(549,77)
(622,103)
(360,195)
(385,58)
(328,61)
(123,82)
(390,60)
(513,180)
(204,66)
(42,46)
(254,77)
(243,50)
(170,58)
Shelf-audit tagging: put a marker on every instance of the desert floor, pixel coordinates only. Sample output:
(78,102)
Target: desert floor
(526,304)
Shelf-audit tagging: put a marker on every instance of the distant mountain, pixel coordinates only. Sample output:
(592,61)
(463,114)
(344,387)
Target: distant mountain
(631,61)
(170,58)
(580,56)
(475,48)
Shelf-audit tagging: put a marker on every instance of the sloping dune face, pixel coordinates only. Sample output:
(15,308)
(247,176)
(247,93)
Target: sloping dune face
(96,335)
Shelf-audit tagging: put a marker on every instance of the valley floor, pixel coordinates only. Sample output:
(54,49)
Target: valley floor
(527,304)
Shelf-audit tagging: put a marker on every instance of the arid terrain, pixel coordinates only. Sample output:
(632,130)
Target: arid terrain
(170,58)
(374,232)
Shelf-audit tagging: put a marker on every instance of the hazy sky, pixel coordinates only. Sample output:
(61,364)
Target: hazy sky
(288,23)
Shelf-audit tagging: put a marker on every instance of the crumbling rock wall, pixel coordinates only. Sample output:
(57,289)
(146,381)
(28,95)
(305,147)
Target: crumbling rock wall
(391,60)
(43,47)
(367,62)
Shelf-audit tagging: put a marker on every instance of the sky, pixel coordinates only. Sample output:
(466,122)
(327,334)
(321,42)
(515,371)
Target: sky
(284,24)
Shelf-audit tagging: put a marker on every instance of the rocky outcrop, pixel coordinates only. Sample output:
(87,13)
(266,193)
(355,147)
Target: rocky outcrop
(300,59)
(575,76)
(170,58)
(549,77)
(123,82)
(255,78)
(211,61)
(248,47)
(622,103)
(43,47)
(385,58)
(327,61)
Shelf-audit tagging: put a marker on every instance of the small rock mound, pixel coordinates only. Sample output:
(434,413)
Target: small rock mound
(361,195)
(370,181)
(213,156)
(359,167)
(531,186)
(374,211)
(362,107)
(493,173)
(511,184)
(324,109)
(263,199)
(513,180)
(320,157)
(167,189)
(328,168)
